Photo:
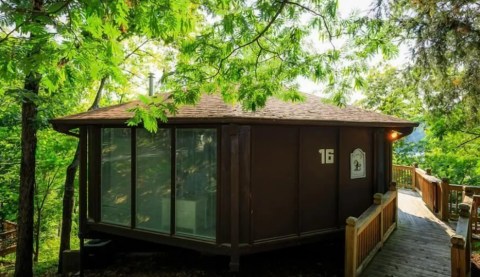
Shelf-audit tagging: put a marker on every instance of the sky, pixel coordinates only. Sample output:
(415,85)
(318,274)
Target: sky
(345,7)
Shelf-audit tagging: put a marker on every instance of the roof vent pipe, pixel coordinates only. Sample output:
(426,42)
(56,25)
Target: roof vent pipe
(150,84)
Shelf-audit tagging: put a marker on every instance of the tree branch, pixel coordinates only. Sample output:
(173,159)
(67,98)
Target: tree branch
(31,17)
(468,141)
(324,20)
(258,36)
(165,75)
(96,102)
(135,50)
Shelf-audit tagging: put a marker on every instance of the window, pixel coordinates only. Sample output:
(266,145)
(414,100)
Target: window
(153,176)
(116,176)
(195,182)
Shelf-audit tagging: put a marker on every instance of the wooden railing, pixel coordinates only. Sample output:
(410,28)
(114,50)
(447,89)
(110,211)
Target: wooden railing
(429,188)
(365,235)
(461,241)
(404,176)
(8,238)
(441,197)
(448,202)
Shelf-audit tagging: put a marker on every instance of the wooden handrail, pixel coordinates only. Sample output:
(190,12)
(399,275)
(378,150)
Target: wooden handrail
(8,238)
(404,176)
(450,201)
(461,241)
(365,235)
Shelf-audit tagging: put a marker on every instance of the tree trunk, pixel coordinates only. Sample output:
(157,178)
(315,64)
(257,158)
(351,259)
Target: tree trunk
(23,261)
(68,195)
(37,237)
(68,207)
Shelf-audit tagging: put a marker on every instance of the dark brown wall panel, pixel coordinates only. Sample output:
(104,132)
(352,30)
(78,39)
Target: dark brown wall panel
(318,179)
(224,209)
(274,181)
(355,195)
(244,140)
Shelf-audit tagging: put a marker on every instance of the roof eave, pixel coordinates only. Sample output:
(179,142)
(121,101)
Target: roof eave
(65,125)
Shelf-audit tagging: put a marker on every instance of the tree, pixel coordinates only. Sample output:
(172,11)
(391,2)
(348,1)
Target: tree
(255,50)
(44,44)
(245,50)
(444,38)
(452,154)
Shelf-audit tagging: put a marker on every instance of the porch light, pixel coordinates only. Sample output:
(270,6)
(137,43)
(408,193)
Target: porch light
(394,135)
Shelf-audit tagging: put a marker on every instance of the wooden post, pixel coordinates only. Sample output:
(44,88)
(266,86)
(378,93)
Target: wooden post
(393,187)
(464,210)
(445,212)
(458,256)
(435,208)
(377,200)
(460,251)
(413,177)
(351,247)
(82,196)
(234,199)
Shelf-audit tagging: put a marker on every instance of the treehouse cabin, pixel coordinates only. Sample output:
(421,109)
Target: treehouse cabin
(219,179)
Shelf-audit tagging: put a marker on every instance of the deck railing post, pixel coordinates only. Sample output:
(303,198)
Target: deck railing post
(460,250)
(393,188)
(412,173)
(351,247)
(414,176)
(445,189)
(435,205)
(377,200)
(458,256)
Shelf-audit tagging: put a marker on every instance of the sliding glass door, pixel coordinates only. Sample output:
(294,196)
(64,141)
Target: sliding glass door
(153,175)
(196,182)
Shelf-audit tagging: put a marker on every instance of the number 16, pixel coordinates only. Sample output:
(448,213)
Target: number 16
(327,155)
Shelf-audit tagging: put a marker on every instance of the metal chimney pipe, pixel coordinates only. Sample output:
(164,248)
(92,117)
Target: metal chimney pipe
(150,84)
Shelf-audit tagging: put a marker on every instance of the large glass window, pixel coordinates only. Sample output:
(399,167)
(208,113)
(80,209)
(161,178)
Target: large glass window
(196,182)
(116,176)
(153,180)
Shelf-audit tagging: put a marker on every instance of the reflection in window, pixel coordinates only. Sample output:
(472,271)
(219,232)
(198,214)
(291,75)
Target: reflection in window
(153,180)
(196,182)
(116,176)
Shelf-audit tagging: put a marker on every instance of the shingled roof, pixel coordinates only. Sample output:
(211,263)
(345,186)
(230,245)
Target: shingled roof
(212,109)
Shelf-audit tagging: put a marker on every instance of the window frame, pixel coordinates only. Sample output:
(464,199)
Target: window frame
(95,177)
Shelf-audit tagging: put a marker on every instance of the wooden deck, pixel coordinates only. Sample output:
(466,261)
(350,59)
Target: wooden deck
(419,247)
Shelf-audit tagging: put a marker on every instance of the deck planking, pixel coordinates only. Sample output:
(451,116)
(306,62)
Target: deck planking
(420,246)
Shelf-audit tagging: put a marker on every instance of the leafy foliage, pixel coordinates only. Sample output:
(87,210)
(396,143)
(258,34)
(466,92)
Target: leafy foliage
(444,38)
(451,154)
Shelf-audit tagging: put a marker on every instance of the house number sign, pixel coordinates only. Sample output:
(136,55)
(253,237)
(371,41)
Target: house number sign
(327,156)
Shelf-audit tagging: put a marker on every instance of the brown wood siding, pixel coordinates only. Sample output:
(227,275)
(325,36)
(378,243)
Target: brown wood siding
(355,195)
(82,182)
(380,156)
(244,140)
(224,211)
(274,181)
(94,164)
(318,179)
